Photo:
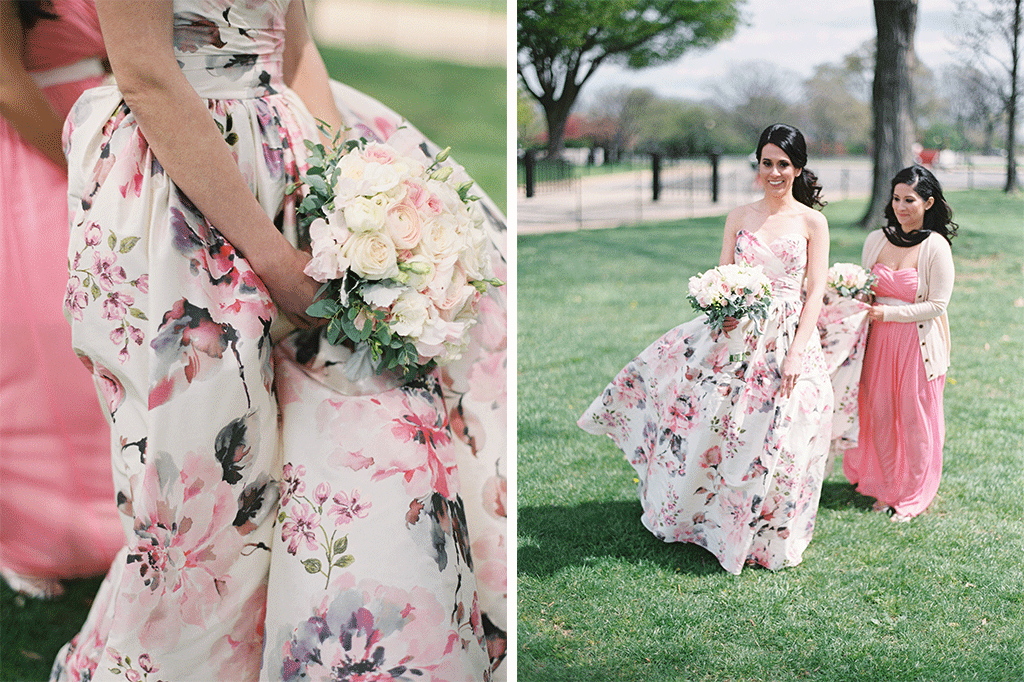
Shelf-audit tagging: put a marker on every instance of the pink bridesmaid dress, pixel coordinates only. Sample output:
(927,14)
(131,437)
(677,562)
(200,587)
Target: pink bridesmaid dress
(898,459)
(57,517)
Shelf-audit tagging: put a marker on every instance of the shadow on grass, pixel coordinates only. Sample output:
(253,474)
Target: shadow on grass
(33,630)
(558,537)
(838,495)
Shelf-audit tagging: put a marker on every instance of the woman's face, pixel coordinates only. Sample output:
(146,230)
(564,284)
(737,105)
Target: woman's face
(776,171)
(909,207)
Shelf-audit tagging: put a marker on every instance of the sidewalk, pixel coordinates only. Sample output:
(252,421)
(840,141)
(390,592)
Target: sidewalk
(454,34)
(607,201)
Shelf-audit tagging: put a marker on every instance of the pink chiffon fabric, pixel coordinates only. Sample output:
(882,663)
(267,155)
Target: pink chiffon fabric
(898,459)
(56,488)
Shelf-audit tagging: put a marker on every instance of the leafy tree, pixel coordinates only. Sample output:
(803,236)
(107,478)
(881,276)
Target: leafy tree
(561,43)
(528,125)
(891,99)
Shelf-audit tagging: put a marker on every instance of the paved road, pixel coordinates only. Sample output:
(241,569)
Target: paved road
(456,34)
(607,201)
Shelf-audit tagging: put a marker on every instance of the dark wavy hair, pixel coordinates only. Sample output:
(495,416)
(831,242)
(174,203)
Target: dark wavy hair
(938,218)
(806,189)
(31,12)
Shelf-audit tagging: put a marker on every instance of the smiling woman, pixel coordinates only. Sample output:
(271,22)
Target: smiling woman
(730,448)
(898,459)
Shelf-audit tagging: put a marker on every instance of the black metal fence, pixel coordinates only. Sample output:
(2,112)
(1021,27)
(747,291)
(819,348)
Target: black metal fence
(731,181)
(545,175)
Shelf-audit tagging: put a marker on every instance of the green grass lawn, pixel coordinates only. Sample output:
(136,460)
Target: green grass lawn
(461,106)
(938,599)
(452,104)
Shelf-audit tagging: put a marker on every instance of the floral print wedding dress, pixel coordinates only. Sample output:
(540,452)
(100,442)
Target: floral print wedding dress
(405,481)
(723,461)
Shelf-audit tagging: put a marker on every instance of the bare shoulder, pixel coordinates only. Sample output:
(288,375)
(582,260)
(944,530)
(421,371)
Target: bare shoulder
(815,221)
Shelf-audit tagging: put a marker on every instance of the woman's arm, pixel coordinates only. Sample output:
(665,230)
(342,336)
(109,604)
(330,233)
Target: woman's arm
(733,223)
(138,37)
(940,274)
(22,103)
(304,70)
(817,271)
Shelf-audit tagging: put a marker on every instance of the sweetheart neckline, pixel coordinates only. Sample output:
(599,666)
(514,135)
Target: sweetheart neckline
(753,235)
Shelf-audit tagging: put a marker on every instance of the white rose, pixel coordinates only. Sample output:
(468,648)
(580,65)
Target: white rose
(440,237)
(371,255)
(364,215)
(380,178)
(474,258)
(409,314)
(349,183)
(476,213)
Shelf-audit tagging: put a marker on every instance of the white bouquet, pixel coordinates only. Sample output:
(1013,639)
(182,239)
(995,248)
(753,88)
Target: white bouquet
(400,248)
(850,281)
(732,290)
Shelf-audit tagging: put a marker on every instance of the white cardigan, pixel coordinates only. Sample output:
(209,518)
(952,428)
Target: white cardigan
(934,287)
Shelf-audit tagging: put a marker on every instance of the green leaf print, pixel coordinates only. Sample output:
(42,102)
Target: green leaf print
(312,565)
(127,244)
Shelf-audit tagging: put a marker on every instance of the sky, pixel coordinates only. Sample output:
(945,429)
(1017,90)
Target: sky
(795,35)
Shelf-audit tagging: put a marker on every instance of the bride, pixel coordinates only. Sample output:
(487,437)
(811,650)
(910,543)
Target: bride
(183,254)
(730,453)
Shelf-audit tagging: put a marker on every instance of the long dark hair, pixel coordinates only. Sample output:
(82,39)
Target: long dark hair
(938,218)
(806,189)
(29,12)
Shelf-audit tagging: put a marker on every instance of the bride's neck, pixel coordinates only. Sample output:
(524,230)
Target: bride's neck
(773,205)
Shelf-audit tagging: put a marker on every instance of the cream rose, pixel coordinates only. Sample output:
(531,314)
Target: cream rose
(364,215)
(440,237)
(371,255)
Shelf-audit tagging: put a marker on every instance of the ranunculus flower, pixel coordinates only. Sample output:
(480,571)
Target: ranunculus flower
(403,225)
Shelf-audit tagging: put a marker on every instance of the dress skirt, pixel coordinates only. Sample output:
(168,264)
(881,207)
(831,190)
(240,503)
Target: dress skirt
(898,459)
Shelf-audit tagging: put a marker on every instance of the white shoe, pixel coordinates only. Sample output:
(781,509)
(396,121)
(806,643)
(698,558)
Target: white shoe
(37,588)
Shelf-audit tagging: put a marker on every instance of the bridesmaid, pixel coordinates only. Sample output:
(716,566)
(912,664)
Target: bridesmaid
(57,488)
(898,459)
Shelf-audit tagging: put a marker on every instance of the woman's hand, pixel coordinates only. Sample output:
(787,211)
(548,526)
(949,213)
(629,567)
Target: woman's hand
(291,289)
(729,323)
(791,368)
(876,313)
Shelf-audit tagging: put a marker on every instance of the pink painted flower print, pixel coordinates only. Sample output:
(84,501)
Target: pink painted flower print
(723,460)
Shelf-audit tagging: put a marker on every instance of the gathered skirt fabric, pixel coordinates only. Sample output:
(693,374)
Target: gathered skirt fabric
(898,459)
(175,327)
(57,501)
(723,461)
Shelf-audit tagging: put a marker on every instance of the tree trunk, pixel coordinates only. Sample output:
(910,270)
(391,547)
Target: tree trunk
(1011,132)
(891,100)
